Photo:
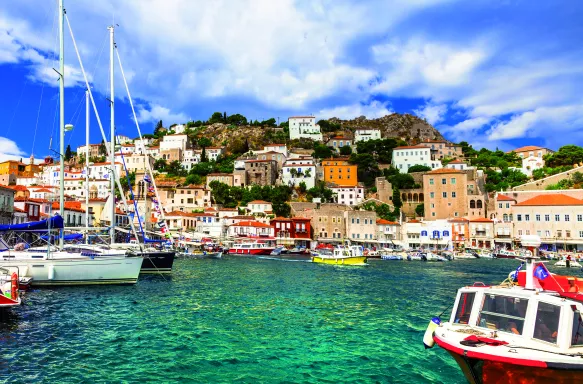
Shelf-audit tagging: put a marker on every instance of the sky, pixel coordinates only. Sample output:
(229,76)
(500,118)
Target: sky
(498,74)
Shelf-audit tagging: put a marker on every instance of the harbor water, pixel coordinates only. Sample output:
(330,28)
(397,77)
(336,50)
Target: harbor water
(247,320)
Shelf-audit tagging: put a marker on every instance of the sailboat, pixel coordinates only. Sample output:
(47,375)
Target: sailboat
(53,265)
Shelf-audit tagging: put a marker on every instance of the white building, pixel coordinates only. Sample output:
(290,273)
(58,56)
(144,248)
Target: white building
(98,188)
(190,157)
(212,153)
(140,145)
(153,151)
(295,171)
(101,171)
(460,165)
(259,206)
(136,162)
(176,141)
(251,229)
(304,127)
(121,139)
(127,149)
(281,148)
(408,156)
(43,193)
(209,224)
(348,195)
(531,163)
(178,128)
(365,134)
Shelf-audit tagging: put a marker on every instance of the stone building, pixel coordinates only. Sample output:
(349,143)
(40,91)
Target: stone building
(260,172)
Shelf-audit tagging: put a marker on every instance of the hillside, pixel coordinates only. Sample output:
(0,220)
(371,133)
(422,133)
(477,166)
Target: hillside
(404,126)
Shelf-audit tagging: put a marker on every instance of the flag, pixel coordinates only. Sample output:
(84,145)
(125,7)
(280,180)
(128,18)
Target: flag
(541,272)
(514,275)
(147,178)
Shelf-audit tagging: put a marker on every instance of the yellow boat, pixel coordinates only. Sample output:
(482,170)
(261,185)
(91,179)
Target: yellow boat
(341,255)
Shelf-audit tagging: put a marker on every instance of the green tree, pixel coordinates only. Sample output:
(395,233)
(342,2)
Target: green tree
(420,210)
(320,191)
(124,180)
(346,150)
(269,122)
(237,119)
(203,158)
(397,203)
(328,126)
(193,179)
(281,209)
(216,117)
(225,117)
(418,168)
(68,153)
(322,151)
(160,165)
(566,155)
(175,169)
(102,150)
(204,142)
(367,167)
(302,187)
(381,149)
(402,181)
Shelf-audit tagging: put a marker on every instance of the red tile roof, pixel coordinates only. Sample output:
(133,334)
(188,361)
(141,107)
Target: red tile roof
(411,147)
(444,171)
(481,220)
(279,218)
(457,162)
(255,224)
(526,148)
(504,198)
(550,199)
(43,190)
(259,202)
(386,222)
(414,221)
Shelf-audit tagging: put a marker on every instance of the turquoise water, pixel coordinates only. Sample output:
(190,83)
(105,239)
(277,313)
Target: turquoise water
(243,320)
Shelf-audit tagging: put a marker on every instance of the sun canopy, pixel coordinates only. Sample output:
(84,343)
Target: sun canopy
(55,222)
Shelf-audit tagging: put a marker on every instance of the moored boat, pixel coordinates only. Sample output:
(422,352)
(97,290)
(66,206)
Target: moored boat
(505,254)
(252,247)
(9,288)
(346,254)
(527,330)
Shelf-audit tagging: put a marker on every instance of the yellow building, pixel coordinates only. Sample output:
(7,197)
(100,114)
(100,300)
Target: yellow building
(18,168)
(96,206)
(340,171)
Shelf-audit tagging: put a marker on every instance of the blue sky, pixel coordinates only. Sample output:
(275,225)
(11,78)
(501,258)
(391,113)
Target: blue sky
(498,74)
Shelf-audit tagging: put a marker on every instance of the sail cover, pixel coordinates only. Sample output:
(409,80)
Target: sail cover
(69,237)
(55,222)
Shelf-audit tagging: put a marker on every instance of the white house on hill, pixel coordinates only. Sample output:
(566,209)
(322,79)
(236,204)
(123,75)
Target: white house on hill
(304,127)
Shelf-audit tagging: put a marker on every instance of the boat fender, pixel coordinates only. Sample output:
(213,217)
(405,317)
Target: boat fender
(428,341)
(14,290)
(51,274)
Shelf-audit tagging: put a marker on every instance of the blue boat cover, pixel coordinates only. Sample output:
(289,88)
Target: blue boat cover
(69,237)
(146,240)
(55,222)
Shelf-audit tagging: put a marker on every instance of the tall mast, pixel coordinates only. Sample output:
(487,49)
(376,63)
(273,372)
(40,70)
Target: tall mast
(62,113)
(86,166)
(112,135)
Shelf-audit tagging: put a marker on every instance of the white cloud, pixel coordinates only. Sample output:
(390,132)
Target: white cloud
(156,112)
(9,150)
(373,110)
(433,113)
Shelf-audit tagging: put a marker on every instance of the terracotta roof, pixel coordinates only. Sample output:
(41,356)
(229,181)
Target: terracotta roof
(180,213)
(551,199)
(444,171)
(481,220)
(302,117)
(16,209)
(457,162)
(526,148)
(280,218)
(70,206)
(434,141)
(255,224)
(43,190)
(192,186)
(240,217)
(97,199)
(17,187)
(504,198)
(458,220)
(228,209)
(411,147)
(386,222)
(297,164)
(414,221)
(259,202)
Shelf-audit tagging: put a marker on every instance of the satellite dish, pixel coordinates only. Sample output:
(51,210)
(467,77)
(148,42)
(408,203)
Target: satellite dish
(68,127)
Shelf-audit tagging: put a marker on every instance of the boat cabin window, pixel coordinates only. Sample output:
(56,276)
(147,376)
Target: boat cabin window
(464,308)
(546,324)
(577,334)
(503,313)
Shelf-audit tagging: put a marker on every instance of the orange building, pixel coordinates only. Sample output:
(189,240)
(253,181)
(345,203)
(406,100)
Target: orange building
(340,171)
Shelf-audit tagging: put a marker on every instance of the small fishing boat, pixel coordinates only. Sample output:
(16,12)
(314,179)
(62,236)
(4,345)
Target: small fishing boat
(430,256)
(414,256)
(567,263)
(391,257)
(529,329)
(346,254)
(9,288)
(506,254)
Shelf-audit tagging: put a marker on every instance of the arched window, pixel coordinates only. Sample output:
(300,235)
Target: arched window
(423,233)
(404,197)
(479,204)
(415,198)
(445,233)
(435,234)
(409,197)
(472,204)
(421,197)
(510,217)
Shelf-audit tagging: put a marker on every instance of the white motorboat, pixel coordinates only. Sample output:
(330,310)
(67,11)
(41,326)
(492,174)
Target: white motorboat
(430,256)
(565,263)
(467,254)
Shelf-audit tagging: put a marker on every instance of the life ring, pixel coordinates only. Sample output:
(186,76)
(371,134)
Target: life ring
(14,290)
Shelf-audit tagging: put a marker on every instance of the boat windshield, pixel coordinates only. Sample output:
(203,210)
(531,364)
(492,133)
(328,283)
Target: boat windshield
(577,333)
(464,308)
(547,322)
(503,313)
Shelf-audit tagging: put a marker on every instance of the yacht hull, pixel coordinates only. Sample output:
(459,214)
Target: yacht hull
(99,270)
(356,260)
(157,262)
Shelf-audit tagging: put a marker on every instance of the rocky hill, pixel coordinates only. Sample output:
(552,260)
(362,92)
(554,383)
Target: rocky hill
(410,128)
(407,127)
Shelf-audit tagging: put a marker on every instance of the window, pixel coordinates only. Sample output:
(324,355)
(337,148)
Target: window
(567,217)
(520,232)
(547,233)
(353,220)
(357,221)
(577,332)
(464,308)
(547,217)
(453,194)
(527,232)
(453,180)
(500,205)
(455,214)
(507,205)
(518,217)
(567,233)
(431,181)
(526,217)
(581,234)
(503,313)
(444,194)
(432,194)
(557,217)
(579,217)
(546,325)
(559,233)
(537,217)
(432,213)
(443,181)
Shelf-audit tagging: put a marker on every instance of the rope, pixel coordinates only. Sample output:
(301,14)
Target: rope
(40,103)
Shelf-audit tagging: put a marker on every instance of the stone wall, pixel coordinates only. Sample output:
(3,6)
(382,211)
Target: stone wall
(540,185)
